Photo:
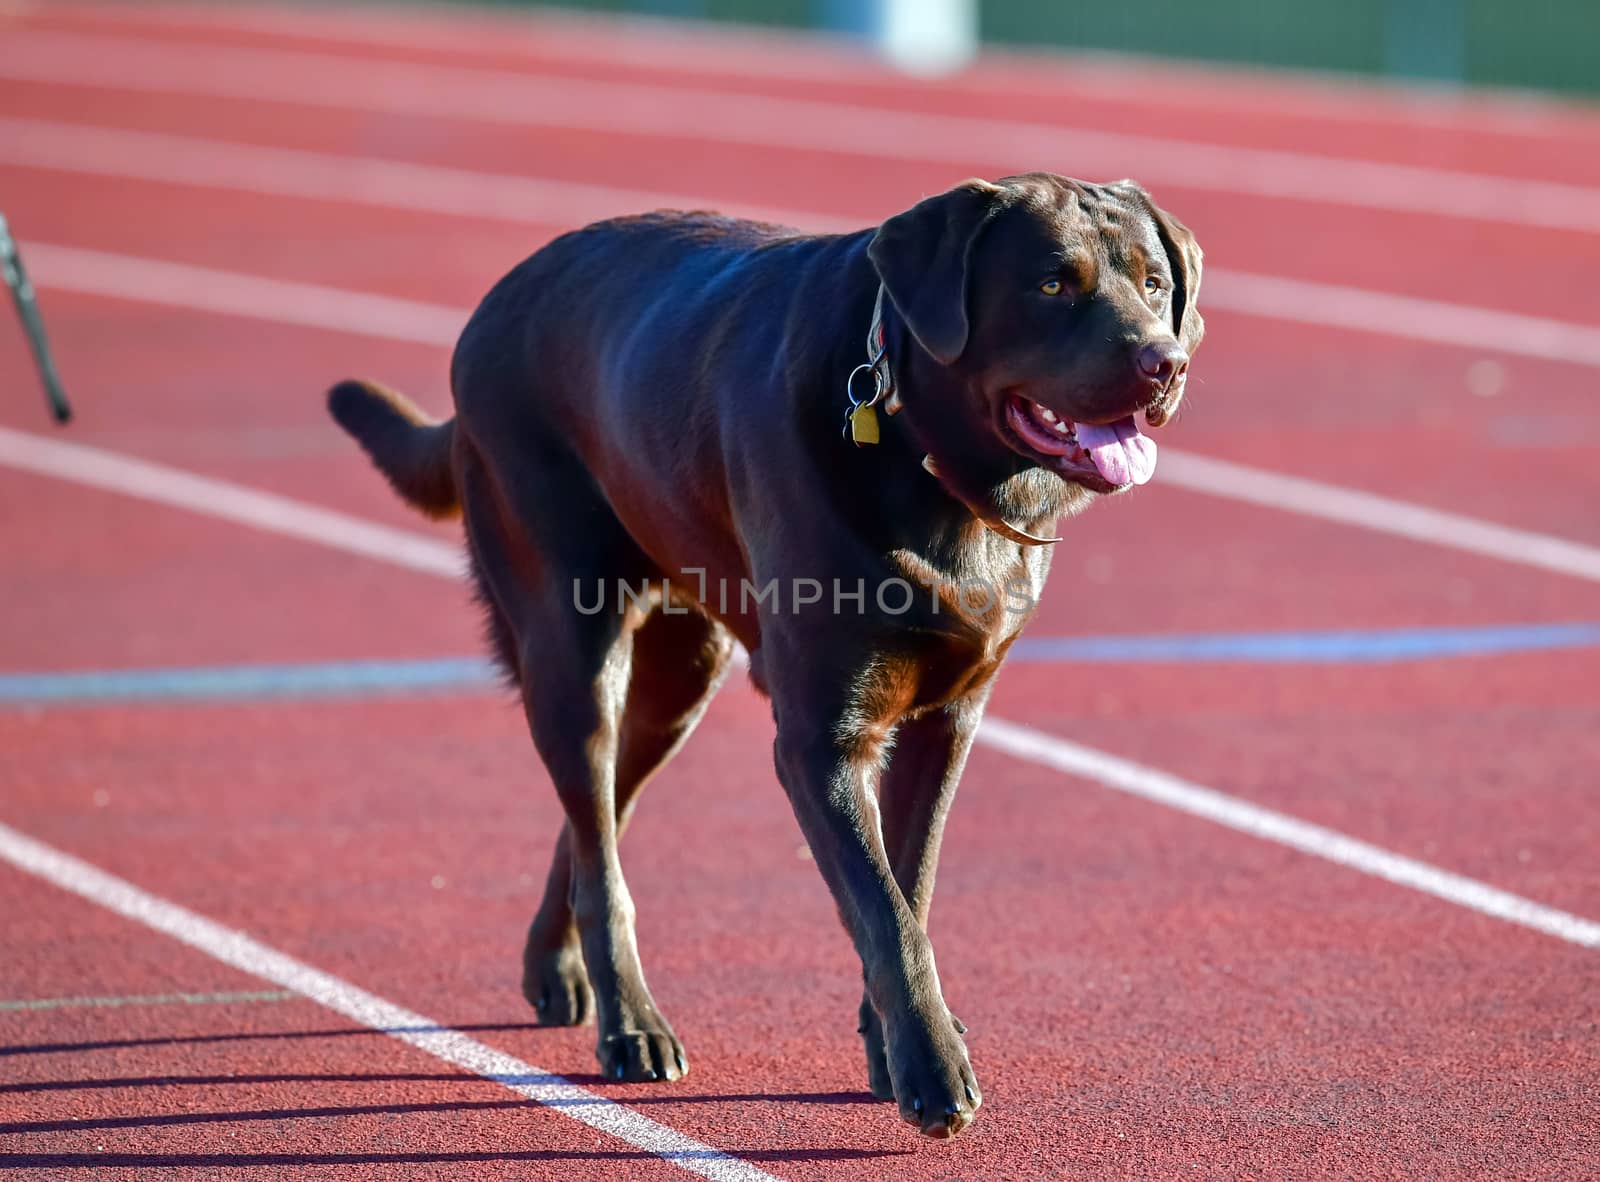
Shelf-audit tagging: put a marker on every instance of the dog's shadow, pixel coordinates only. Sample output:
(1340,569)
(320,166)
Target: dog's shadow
(670,1095)
(238,1160)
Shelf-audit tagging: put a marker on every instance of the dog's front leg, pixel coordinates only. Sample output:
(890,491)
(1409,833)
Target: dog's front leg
(914,798)
(828,756)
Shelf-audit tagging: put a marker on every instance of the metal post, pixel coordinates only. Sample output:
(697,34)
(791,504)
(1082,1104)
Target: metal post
(32,322)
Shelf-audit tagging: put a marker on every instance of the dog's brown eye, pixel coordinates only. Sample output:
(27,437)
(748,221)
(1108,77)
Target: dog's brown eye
(1152,284)
(1051,287)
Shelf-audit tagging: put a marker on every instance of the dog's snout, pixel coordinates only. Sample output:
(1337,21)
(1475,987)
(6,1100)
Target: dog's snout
(1161,362)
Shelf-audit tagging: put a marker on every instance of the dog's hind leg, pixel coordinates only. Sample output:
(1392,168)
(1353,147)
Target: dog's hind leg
(536,541)
(678,663)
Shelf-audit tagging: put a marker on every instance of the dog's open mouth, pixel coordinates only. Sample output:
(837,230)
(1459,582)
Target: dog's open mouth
(1116,453)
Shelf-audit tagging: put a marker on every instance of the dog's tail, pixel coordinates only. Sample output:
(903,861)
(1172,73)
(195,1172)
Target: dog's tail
(411,449)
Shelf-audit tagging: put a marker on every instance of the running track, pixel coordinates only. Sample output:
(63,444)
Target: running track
(229,207)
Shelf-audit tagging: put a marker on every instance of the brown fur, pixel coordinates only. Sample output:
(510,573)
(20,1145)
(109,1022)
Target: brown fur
(661,397)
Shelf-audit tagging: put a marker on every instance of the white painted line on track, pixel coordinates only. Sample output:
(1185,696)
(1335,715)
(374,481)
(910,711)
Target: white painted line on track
(231,293)
(146,481)
(507,98)
(1022,742)
(244,952)
(1364,510)
(1173,792)
(207,290)
(697,49)
(1327,305)
(216,164)
(673,45)
(351,180)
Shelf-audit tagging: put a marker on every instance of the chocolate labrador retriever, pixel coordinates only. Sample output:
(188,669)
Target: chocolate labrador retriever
(667,438)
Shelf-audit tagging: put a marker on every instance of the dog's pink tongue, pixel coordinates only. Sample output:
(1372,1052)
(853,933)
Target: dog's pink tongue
(1120,451)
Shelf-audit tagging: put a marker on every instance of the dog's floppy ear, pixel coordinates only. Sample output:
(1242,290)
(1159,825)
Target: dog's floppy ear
(1184,255)
(922,256)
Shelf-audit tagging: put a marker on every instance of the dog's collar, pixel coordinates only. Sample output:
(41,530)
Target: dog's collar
(861,424)
(861,420)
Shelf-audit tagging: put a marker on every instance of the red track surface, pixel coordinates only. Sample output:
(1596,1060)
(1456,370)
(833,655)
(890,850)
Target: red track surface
(1149,995)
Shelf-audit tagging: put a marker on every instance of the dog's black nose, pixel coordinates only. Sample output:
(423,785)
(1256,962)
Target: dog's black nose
(1160,363)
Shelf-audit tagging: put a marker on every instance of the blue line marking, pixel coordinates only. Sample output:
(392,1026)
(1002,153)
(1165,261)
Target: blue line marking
(363,678)
(250,682)
(1311,647)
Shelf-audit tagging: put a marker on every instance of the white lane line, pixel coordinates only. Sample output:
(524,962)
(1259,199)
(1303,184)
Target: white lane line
(1311,498)
(507,98)
(696,49)
(1126,776)
(266,511)
(206,290)
(355,180)
(527,200)
(670,46)
(230,293)
(1328,305)
(243,952)
(147,999)
(1173,792)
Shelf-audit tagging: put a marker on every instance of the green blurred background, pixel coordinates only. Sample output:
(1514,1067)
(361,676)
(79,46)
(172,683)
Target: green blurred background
(1531,44)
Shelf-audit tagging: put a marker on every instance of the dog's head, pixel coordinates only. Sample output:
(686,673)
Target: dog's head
(1064,310)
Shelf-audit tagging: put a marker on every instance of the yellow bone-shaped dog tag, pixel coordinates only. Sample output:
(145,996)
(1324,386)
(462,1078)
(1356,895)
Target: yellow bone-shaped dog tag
(863,425)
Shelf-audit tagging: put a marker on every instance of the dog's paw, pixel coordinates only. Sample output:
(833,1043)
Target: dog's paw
(931,1077)
(871,1031)
(644,1055)
(557,986)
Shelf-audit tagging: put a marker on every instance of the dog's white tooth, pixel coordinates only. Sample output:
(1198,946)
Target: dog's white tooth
(1047,414)
(1062,428)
